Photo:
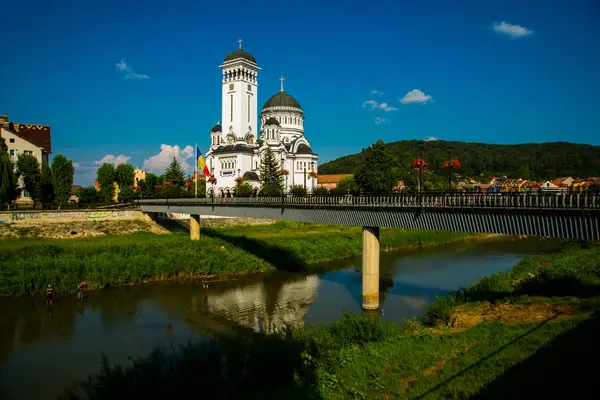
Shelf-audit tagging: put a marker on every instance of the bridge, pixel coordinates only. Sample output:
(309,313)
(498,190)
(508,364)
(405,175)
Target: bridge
(561,215)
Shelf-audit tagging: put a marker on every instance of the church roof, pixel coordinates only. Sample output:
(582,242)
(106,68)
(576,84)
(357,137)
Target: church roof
(272,121)
(282,99)
(217,128)
(251,176)
(239,53)
(234,148)
(303,149)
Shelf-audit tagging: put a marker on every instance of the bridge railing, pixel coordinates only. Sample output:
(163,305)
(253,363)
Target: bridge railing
(425,200)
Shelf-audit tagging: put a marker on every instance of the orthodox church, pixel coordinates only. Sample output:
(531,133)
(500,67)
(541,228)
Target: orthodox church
(237,145)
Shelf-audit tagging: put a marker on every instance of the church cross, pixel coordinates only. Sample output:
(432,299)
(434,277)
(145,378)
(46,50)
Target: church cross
(281,80)
(240,42)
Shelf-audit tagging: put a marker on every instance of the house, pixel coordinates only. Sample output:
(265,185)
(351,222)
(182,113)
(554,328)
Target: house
(76,188)
(512,185)
(400,187)
(330,181)
(549,186)
(532,186)
(563,182)
(138,175)
(579,185)
(594,185)
(26,139)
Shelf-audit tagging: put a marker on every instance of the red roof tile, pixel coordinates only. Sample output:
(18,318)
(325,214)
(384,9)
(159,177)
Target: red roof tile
(38,135)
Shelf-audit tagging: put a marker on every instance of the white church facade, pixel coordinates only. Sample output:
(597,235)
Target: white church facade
(237,145)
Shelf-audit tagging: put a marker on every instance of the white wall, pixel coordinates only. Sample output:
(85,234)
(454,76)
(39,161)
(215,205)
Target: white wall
(20,146)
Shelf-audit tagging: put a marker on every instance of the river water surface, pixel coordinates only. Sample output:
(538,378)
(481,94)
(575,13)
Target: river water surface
(43,349)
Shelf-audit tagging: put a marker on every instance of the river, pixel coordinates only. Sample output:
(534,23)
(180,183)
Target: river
(43,349)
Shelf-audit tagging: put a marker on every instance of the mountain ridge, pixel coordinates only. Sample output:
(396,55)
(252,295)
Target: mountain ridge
(541,161)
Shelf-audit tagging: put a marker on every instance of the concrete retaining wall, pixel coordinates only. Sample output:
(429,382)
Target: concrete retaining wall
(67,216)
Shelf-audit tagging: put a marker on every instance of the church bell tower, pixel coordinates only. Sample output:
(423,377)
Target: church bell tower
(239,96)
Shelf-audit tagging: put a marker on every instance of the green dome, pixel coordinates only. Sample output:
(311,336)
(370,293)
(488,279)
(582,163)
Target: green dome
(282,99)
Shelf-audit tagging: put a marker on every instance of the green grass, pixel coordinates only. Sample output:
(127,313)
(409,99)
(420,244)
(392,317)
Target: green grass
(358,358)
(571,277)
(28,265)
(364,358)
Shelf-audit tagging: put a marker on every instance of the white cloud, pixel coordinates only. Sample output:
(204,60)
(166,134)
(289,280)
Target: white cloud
(381,121)
(159,162)
(114,160)
(137,77)
(386,108)
(415,96)
(430,139)
(376,92)
(373,105)
(122,66)
(514,31)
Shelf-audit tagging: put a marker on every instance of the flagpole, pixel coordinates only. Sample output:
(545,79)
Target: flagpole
(196,174)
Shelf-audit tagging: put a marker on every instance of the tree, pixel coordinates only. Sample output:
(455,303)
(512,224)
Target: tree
(270,179)
(374,175)
(148,185)
(46,187)
(89,195)
(62,178)
(298,190)
(29,168)
(175,174)
(201,190)
(106,178)
(8,178)
(346,185)
(124,175)
(243,189)
(321,191)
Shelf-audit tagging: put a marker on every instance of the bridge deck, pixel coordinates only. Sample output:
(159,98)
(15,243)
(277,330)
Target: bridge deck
(562,215)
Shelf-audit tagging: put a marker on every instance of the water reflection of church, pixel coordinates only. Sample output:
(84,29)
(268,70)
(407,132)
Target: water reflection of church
(264,306)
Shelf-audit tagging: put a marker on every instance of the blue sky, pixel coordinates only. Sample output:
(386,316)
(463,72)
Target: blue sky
(494,71)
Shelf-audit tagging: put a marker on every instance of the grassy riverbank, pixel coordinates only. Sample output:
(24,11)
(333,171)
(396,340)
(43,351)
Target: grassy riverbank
(528,333)
(28,265)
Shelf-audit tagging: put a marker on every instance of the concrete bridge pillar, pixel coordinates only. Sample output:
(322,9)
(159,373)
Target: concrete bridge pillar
(370,268)
(194,227)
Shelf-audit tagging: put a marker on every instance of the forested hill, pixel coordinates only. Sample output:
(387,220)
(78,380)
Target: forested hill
(528,161)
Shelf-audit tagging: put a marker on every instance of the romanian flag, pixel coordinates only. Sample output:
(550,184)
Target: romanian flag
(202,163)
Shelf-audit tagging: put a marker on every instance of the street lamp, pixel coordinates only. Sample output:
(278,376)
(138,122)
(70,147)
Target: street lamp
(286,177)
(312,168)
(304,169)
(421,167)
(449,149)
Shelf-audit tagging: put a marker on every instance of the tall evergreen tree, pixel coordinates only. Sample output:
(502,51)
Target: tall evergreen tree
(106,178)
(46,188)
(124,175)
(8,179)
(374,175)
(175,174)
(62,179)
(29,168)
(270,180)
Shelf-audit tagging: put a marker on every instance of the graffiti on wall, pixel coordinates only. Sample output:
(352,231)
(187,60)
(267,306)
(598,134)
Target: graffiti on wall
(71,215)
